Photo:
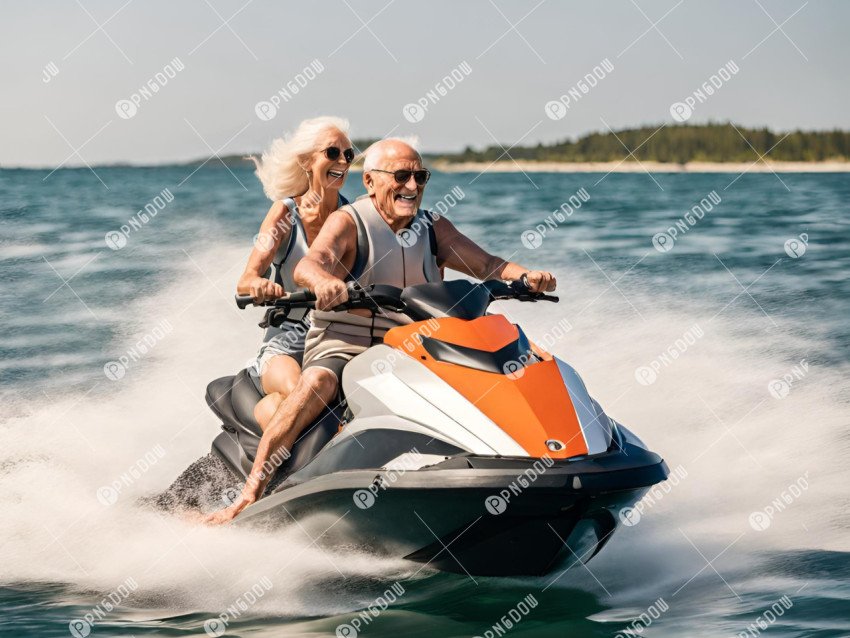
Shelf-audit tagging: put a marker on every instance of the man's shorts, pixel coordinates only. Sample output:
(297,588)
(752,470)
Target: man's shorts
(332,345)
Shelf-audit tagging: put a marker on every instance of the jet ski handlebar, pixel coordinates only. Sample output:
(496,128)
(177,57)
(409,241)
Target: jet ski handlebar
(377,297)
(518,289)
(373,297)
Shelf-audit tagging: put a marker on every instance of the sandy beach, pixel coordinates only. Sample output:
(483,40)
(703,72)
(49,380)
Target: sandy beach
(634,167)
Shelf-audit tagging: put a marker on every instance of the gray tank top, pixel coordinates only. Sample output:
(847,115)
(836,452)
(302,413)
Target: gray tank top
(288,254)
(384,257)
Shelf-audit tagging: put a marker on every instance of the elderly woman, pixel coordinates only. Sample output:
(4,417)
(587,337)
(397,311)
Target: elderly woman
(302,175)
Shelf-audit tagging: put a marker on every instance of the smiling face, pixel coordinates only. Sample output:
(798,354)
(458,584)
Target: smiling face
(396,202)
(329,174)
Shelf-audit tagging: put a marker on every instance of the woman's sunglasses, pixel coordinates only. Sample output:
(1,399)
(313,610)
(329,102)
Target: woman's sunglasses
(402,176)
(333,153)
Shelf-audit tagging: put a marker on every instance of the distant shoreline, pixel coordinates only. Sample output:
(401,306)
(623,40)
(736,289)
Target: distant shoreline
(530,166)
(633,167)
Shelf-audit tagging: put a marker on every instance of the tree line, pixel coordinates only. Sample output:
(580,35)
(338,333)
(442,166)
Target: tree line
(679,143)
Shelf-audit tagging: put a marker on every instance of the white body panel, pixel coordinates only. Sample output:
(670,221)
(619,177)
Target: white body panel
(594,425)
(412,393)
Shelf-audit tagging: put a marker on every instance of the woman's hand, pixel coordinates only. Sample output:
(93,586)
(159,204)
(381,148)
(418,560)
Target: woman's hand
(262,289)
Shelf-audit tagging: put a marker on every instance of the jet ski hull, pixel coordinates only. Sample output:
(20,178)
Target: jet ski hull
(451,518)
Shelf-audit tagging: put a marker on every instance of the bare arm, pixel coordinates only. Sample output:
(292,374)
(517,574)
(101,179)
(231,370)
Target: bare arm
(275,229)
(459,252)
(328,261)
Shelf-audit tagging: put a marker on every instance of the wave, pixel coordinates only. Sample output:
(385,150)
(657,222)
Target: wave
(708,411)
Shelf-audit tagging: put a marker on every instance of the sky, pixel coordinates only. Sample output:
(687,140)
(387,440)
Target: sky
(74,73)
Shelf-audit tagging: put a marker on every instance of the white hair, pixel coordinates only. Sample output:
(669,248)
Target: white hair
(375,153)
(281,170)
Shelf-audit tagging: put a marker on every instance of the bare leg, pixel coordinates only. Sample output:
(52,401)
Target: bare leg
(280,374)
(315,388)
(267,406)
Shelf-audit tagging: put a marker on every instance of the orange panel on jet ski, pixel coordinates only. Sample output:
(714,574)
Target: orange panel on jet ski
(530,408)
(489,333)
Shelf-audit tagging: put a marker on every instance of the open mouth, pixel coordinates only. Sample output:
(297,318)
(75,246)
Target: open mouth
(336,174)
(407,198)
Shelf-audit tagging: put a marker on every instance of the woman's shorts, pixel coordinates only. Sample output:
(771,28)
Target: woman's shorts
(289,341)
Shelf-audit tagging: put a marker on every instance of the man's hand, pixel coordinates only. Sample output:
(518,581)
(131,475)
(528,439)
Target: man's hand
(330,293)
(262,289)
(541,281)
(228,513)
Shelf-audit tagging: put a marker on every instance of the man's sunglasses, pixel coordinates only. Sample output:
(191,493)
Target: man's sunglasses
(333,153)
(402,176)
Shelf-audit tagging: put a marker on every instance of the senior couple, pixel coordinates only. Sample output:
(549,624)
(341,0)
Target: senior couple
(315,240)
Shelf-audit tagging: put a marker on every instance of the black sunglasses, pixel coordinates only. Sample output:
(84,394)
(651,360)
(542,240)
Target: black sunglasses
(402,176)
(333,152)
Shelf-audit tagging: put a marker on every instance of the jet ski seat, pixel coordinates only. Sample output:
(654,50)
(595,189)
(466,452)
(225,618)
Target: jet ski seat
(244,397)
(233,399)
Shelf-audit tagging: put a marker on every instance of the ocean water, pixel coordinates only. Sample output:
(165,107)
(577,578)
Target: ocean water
(727,353)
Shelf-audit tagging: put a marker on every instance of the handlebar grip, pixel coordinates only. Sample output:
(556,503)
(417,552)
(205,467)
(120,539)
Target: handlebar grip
(299,296)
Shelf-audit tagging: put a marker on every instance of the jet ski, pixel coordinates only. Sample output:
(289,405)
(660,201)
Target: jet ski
(456,443)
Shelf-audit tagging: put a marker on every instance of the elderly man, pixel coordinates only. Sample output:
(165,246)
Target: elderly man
(360,242)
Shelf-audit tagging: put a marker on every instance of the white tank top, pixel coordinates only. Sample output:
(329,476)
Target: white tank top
(384,257)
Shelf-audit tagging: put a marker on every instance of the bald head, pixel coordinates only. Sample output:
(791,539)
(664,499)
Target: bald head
(387,162)
(389,151)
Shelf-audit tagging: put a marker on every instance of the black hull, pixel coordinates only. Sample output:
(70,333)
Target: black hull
(439,517)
